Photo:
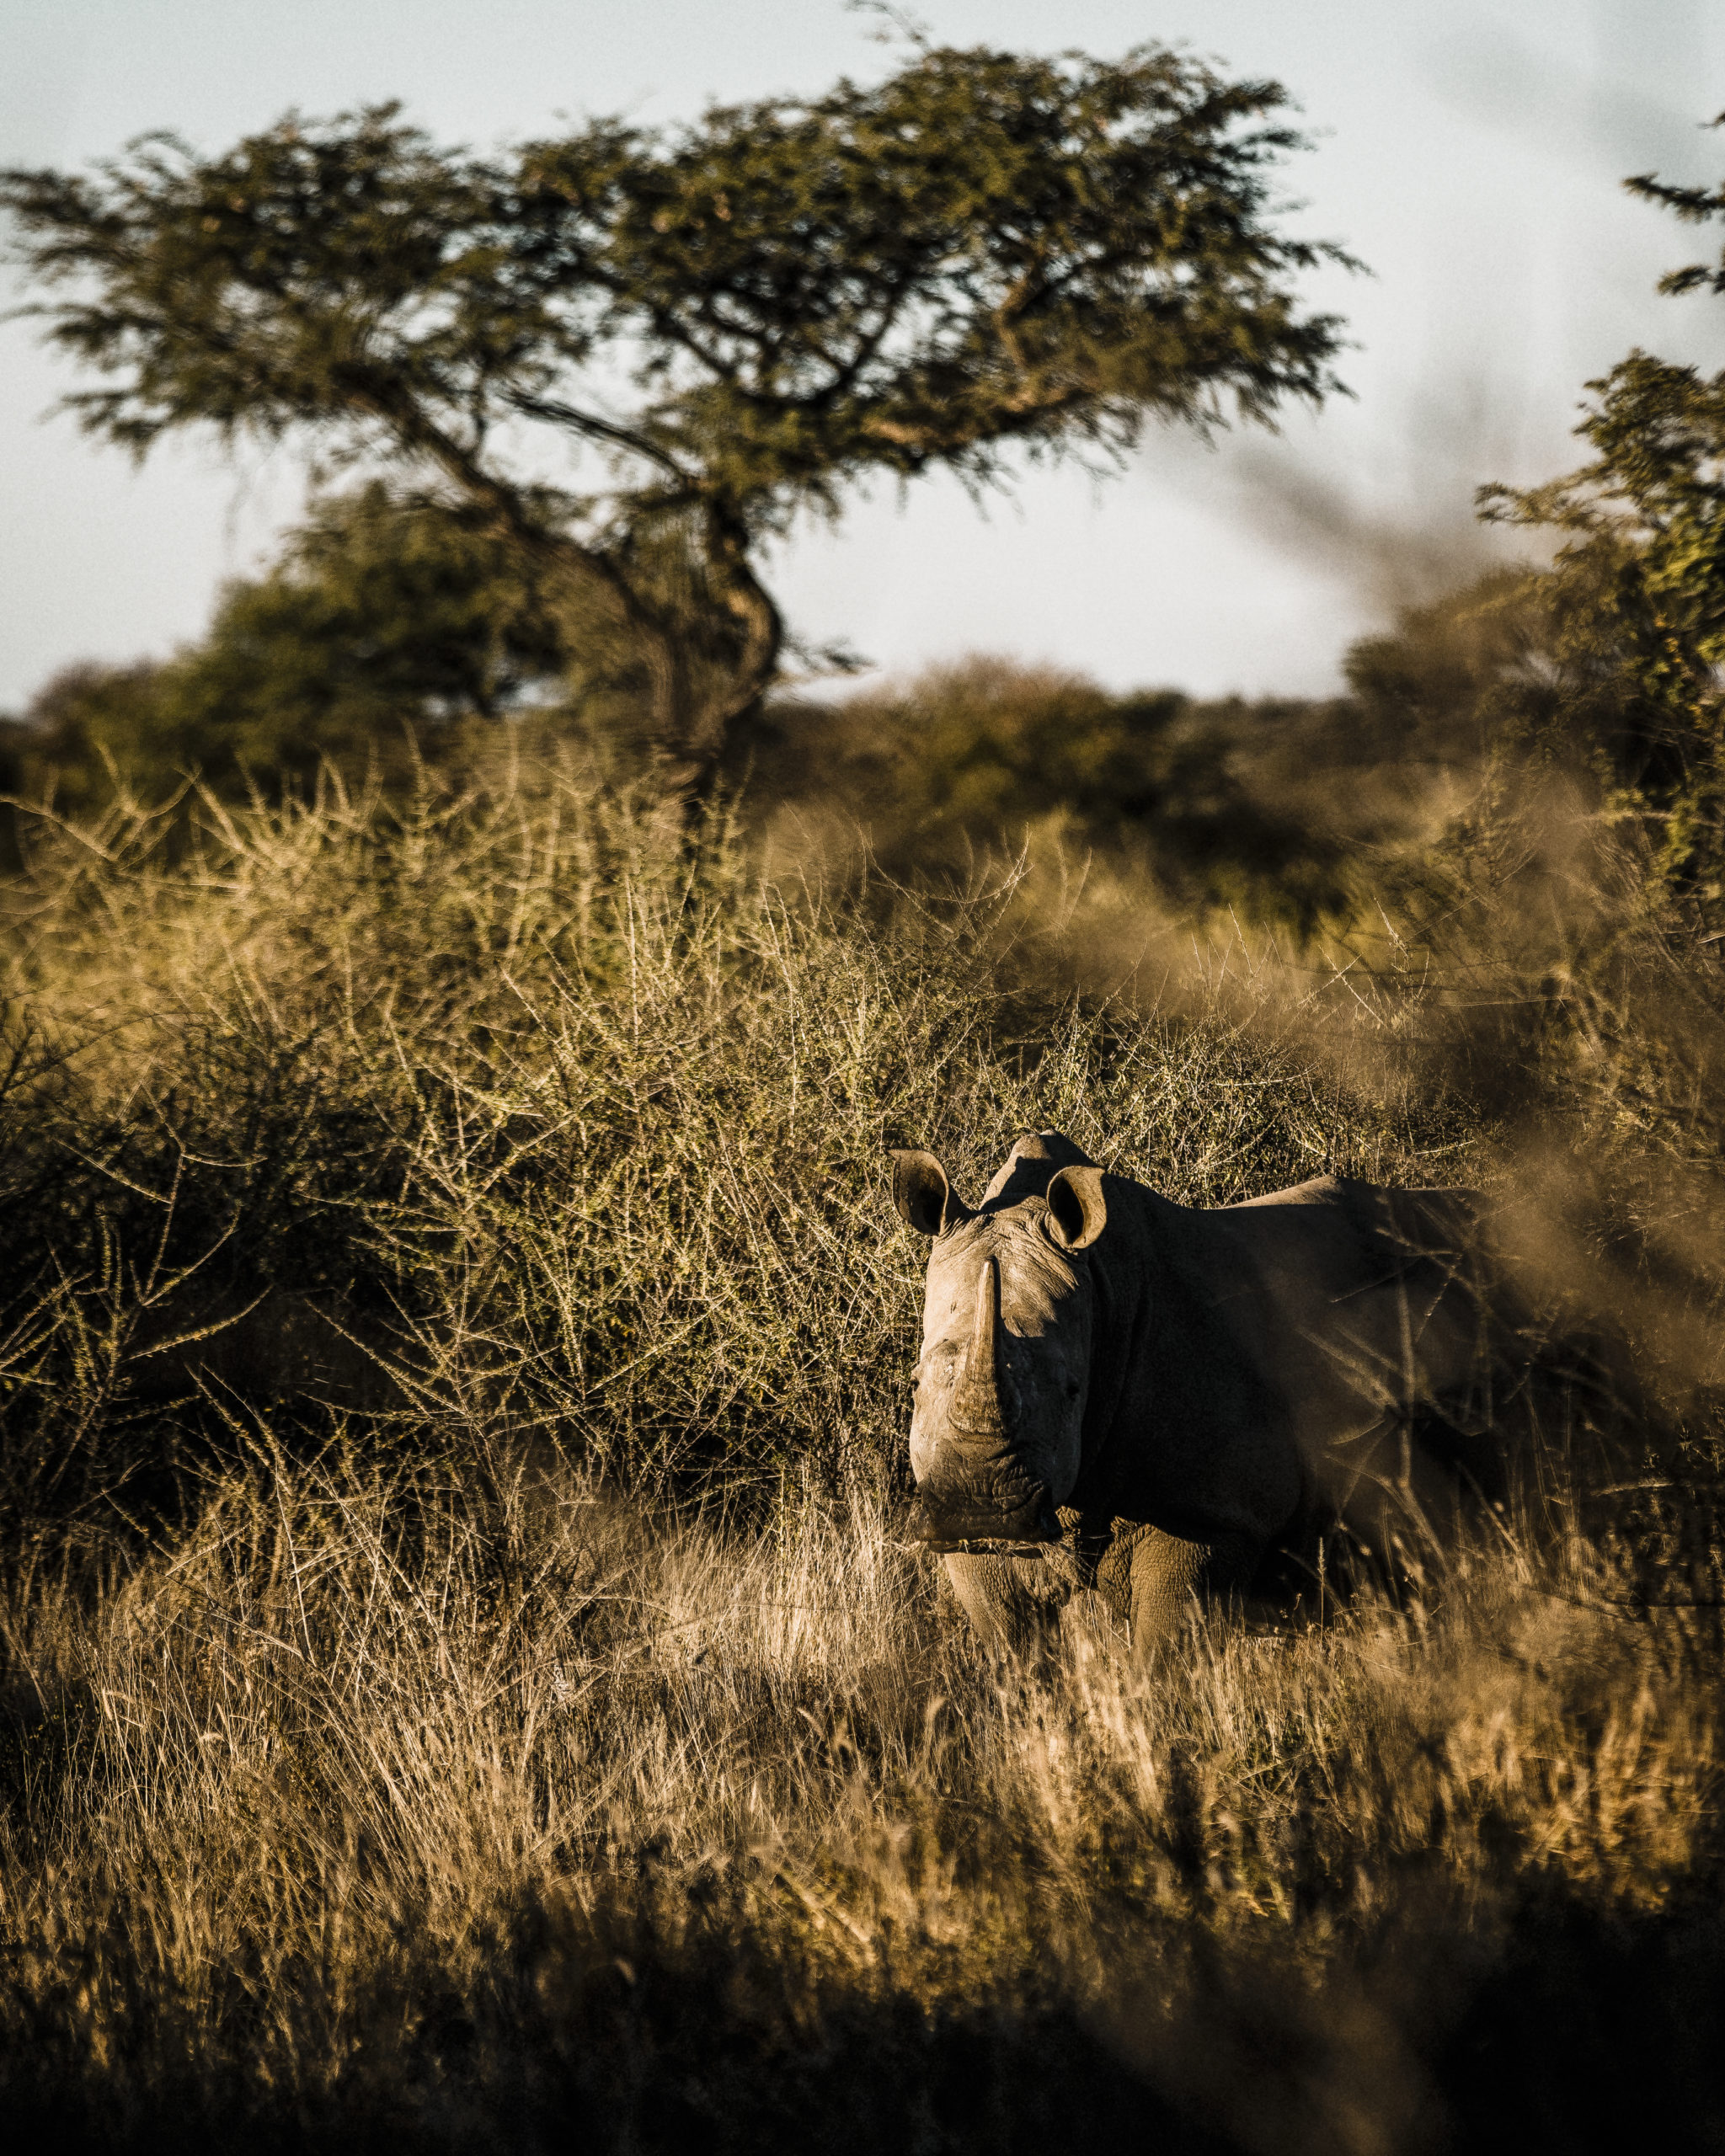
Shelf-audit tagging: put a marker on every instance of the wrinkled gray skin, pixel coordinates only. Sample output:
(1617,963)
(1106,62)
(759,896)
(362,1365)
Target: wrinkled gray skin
(1160,1403)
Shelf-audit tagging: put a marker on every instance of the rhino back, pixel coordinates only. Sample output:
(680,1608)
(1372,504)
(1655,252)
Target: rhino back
(1368,1303)
(1188,1430)
(1253,1345)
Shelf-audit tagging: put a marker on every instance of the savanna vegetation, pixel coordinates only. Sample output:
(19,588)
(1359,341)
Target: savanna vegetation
(460,1681)
(737,322)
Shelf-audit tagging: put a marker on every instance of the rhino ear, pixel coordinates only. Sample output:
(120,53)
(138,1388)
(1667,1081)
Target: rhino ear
(1078,1211)
(924,1196)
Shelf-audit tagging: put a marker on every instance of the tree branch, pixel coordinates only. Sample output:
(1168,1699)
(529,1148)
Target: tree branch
(553,409)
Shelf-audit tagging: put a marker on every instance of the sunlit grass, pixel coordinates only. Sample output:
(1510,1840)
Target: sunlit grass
(370,1777)
(458,1678)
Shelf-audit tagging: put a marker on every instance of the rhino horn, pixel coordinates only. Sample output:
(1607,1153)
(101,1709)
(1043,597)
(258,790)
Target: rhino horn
(976,1404)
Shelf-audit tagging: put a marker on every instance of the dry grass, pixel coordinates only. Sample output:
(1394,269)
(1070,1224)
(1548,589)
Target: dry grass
(458,1683)
(506,1108)
(474,1806)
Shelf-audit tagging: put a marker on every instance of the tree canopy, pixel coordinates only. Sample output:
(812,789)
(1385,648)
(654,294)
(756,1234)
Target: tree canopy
(635,356)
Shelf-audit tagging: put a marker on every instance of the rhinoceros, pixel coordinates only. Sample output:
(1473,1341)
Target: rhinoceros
(1160,1401)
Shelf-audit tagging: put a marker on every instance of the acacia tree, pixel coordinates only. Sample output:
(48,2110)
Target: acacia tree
(730,322)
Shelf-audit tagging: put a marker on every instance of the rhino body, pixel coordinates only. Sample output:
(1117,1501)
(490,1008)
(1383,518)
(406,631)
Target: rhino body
(1166,1403)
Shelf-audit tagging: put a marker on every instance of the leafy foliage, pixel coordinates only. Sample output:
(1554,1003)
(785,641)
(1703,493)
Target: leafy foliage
(382,624)
(1695,206)
(737,322)
(1636,598)
(983,753)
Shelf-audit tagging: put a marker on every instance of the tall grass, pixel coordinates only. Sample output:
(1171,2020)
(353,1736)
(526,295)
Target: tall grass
(487,1809)
(458,1679)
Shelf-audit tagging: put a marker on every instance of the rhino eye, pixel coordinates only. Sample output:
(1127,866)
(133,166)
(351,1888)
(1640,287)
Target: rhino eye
(1073,1388)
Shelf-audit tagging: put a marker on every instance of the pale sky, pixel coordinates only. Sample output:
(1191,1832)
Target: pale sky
(1470,153)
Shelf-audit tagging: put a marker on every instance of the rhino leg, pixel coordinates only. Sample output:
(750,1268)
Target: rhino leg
(1171,1580)
(1011,1602)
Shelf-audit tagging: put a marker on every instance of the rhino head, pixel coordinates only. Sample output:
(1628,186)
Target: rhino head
(1004,1374)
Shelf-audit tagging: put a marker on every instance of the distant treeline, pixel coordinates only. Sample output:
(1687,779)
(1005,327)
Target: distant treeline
(392,636)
